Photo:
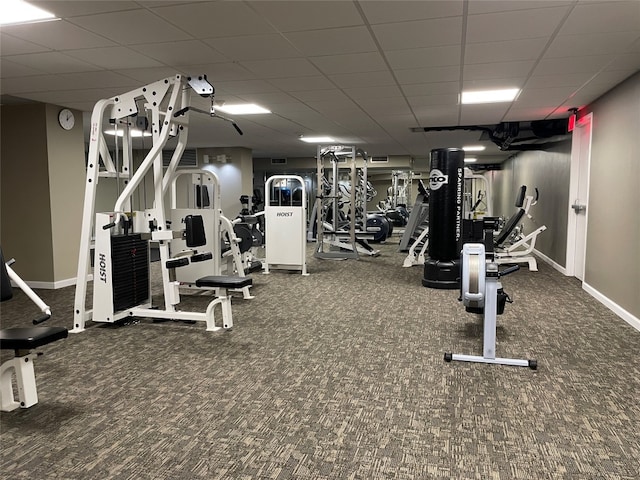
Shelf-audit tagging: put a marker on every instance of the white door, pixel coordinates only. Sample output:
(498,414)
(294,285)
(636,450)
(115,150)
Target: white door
(579,196)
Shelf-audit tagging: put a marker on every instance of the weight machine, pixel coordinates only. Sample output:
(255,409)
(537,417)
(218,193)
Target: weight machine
(121,278)
(341,235)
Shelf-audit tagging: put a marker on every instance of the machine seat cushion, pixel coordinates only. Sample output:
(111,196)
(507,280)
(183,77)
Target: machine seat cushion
(26,338)
(223,281)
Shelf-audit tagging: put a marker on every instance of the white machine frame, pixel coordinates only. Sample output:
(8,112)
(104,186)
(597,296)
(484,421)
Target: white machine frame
(167,102)
(286,228)
(480,285)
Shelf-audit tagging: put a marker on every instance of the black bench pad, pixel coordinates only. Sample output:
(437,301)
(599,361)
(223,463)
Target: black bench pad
(224,281)
(26,338)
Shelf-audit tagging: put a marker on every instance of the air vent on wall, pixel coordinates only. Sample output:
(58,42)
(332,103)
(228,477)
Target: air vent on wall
(278,161)
(379,159)
(188,159)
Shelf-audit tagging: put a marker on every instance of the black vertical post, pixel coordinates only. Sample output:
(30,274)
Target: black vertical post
(446,183)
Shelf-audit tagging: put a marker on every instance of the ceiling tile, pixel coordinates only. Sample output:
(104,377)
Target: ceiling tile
(385,106)
(420,33)
(505,51)
(58,35)
(219,72)
(558,80)
(276,68)
(434,88)
(501,70)
(245,87)
(101,79)
(348,80)
(590,44)
(379,91)
(333,41)
(267,100)
(531,97)
(427,75)
(496,27)
(485,114)
(289,16)
(214,19)
(352,63)
(496,6)
(608,16)
(114,58)
(10,69)
(254,47)
(630,61)
(186,52)
(131,27)
(322,95)
(430,100)
(16,46)
(297,84)
(52,62)
(568,65)
(147,75)
(34,83)
(400,11)
(425,57)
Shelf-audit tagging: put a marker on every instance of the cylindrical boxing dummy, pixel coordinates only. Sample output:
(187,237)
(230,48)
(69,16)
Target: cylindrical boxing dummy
(446,185)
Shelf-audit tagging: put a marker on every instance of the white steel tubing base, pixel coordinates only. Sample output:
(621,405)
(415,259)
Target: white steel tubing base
(22,368)
(500,361)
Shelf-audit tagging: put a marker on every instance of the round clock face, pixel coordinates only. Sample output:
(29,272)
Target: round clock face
(66,119)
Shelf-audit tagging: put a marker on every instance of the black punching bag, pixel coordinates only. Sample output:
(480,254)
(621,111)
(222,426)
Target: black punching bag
(446,184)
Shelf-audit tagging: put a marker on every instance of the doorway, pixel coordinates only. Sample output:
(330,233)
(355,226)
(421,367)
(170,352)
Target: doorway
(579,197)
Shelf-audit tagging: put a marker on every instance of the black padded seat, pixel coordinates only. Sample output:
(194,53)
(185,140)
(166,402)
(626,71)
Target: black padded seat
(222,281)
(27,338)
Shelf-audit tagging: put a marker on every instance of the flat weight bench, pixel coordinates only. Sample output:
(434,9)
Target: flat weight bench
(23,340)
(223,283)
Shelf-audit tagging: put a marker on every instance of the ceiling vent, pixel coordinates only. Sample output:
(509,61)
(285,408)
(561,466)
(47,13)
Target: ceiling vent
(278,161)
(379,159)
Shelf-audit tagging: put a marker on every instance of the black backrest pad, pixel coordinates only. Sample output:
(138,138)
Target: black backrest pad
(521,195)
(508,228)
(195,235)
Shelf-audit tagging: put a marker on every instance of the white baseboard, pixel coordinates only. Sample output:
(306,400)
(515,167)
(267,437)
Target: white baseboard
(546,259)
(611,305)
(49,285)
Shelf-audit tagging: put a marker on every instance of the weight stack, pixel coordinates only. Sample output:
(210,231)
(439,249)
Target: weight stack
(130,269)
(446,184)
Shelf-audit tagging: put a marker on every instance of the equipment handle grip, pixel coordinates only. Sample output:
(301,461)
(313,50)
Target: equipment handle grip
(108,226)
(509,270)
(42,318)
(237,128)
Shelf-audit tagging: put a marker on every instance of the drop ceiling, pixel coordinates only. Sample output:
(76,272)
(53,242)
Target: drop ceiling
(363,72)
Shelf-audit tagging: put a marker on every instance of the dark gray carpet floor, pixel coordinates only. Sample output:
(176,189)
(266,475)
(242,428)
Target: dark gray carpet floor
(338,375)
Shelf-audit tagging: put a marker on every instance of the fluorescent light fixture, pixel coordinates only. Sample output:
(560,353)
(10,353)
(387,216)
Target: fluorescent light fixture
(134,133)
(489,96)
(317,139)
(242,109)
(17,11)
(470,159)
(474,148)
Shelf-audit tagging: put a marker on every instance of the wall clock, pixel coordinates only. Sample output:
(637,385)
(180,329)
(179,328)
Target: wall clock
(66,119)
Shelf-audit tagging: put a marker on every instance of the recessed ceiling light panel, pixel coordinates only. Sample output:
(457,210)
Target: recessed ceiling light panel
(317,139)
(489,96)
(17,11)
(243,109)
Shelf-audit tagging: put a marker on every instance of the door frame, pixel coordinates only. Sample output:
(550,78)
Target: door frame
(579,159)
